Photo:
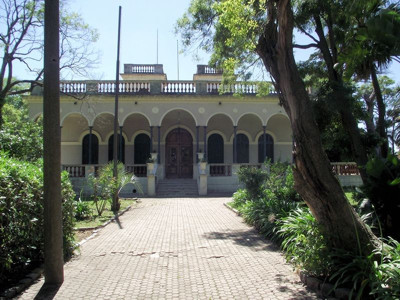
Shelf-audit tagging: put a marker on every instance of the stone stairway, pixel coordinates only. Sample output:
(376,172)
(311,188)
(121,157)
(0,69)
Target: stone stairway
(177,187)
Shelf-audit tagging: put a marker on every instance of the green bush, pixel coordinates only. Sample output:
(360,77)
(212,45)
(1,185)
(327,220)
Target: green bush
(240,197)
(21,215)
(304,243)
(19,136)
(273,200)
(105,186)
(385,281)
(82,210)
(382,187)
(377,275)
(253,180)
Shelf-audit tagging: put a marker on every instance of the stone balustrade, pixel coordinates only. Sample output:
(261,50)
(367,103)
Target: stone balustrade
(220,170)
(154,87)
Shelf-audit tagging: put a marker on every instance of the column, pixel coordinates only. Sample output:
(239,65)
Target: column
(205,141)
(151,139)
(264,143)
(159,144)
(90,144)
(121,149)
(197,142)
(234,144)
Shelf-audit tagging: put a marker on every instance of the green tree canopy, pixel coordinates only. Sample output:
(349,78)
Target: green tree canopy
(21,41)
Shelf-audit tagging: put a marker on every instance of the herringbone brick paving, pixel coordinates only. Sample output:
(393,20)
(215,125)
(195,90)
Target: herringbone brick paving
(178,248)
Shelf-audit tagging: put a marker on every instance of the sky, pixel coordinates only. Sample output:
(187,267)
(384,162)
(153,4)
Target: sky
(139,25)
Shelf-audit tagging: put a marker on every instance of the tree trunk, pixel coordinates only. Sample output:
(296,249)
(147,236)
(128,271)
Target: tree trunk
(2,102)
(343,99)
(314,179)
(357,147)
(53,234)
(380,126)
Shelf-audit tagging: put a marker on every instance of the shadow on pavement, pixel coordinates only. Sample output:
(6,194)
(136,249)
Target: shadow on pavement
(48,291)
(116,218)
(248,238)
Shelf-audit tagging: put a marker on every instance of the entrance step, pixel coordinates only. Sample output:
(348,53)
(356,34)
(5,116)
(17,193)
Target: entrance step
(171,188)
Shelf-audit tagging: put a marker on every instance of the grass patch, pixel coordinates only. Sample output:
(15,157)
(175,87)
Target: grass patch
(95,220)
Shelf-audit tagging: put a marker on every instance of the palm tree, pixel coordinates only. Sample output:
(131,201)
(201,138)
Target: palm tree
(376,45)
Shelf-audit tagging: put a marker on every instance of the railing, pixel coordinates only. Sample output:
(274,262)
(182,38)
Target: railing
(75,171)
(137,170)
(129,87)
(205,69)
(178,87)
(73,87)
(126,87)
(242,88)
(220,170)
(345,168)
(143,69)
(82,171)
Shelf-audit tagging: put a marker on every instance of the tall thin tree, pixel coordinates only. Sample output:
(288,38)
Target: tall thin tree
(53,242)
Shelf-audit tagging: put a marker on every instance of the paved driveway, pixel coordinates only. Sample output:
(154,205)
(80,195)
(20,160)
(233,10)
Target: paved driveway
(178,248)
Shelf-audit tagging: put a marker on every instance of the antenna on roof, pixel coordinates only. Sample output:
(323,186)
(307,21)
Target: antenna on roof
(177,56)
(157,46)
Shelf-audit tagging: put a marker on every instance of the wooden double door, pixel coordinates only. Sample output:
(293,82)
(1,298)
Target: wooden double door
(179,154)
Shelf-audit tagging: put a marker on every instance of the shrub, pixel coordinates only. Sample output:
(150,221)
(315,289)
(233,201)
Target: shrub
(240,197)
(21,215)
(304,243)
(385,281)
(105,186)
(275,198)
(26,143)
(383,189)
(253,180)
(82,210)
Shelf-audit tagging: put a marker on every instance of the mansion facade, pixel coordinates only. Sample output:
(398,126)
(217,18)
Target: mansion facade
(198,130)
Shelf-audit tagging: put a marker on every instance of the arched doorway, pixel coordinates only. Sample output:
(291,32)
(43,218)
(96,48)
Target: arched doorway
(215,149)
(142,149)
(120,148)
(269,148)
(242,146)
(92,158)
(179,154)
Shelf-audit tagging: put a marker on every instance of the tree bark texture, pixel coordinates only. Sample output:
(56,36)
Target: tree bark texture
(53,234)
(314,179)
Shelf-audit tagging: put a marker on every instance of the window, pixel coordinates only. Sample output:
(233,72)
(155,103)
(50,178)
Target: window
(215,149)
(141,148)
(94,157)
(121,150)
(269,148)
(242,147)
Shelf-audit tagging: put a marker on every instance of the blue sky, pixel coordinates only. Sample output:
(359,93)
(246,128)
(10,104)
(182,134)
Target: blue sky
(140,22)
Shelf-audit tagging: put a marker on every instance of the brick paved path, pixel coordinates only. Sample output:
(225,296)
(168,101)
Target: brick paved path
(181,248)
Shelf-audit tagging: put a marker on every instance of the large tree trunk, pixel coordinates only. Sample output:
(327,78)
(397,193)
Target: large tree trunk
(380,126)
(314,179)
(53,232)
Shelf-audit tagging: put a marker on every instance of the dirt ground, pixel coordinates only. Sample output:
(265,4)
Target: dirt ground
(82,234)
